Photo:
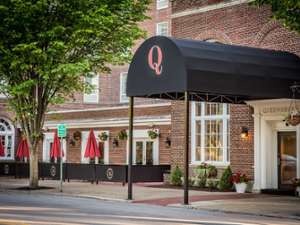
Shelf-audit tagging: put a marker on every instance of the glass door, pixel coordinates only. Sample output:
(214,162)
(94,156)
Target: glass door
(143,151)
(287,159)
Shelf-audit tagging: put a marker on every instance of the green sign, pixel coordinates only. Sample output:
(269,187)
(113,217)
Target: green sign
(61,130)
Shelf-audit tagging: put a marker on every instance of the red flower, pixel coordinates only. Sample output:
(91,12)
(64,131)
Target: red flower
(239,178)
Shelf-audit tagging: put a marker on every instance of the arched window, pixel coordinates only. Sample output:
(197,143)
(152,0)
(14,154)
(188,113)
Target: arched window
(7,138)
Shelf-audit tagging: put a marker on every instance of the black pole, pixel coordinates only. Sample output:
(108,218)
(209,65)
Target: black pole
(130,113)
(186,147)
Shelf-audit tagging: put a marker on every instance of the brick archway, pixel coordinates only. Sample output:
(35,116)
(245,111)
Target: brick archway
(214,34)
(266,29)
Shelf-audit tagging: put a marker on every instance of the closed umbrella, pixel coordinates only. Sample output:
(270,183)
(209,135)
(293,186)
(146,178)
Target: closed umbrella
(55,149)
(23,150)
(92,150)
(1,149)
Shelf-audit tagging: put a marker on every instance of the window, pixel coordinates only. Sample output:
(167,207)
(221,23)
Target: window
(123,79)
(162,4)
(210,133)
(162,29)
(47,145)
(145,149)
(7,139)
(104,146)
(93,96)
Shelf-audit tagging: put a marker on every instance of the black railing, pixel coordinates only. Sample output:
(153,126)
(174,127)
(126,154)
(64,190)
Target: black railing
(88,172)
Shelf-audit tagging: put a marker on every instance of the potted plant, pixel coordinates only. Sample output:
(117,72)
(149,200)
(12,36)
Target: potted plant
(122,135)
(297,185)
(152,134)
(240,182)
(103,136)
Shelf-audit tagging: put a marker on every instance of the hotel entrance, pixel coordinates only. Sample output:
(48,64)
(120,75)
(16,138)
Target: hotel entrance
(287,159)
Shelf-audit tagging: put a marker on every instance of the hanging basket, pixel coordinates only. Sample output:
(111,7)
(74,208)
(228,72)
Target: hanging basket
(293,120)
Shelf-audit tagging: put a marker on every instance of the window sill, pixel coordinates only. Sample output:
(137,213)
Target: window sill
(6,159)
(216,164)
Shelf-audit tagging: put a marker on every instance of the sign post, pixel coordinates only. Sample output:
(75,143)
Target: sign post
(61,133)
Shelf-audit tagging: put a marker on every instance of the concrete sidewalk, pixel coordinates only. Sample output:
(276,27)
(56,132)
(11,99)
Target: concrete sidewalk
(231,202)
(261,205)
(114,191)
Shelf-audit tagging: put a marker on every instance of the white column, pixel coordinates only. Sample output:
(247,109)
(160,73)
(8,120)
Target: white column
(263,153)
(257,155)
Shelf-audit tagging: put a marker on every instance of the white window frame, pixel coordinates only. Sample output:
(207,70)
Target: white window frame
(123,96)
(142,135)
(162,23)
(225,118)
(6,134)
(94,96)
(162,4)
(48,138)
(84,138)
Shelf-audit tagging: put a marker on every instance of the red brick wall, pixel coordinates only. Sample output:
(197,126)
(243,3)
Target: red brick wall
(241,25)
(117,155)
(241,150)
(109,84)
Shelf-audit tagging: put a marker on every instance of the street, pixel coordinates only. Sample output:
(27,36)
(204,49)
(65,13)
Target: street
(26,208)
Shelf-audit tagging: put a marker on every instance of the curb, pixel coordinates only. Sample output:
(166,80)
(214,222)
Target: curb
(68,195)
(237,213)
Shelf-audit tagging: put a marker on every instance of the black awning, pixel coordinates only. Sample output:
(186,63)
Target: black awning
(166,67)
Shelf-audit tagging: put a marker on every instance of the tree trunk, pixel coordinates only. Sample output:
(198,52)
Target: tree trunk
(34,170)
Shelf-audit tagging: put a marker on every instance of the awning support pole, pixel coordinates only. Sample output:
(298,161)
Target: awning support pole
(186,147)
(130,141)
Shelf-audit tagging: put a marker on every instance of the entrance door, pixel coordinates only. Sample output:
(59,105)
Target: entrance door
(143,151)
(287,159)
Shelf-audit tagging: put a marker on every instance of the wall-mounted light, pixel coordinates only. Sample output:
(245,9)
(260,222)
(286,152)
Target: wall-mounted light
(245,133)
(115,142)
(168,142)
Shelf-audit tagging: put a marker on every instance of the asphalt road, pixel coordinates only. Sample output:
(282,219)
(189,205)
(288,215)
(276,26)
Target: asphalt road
(26,208)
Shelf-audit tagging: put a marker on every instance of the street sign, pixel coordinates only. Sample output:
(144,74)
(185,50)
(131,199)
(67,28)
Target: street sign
(61,130)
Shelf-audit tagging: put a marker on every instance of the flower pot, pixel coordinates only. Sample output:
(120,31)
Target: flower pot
(298,191)
(240,187)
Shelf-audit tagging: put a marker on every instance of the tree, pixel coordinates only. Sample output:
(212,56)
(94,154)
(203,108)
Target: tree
(47,47)
(286,11)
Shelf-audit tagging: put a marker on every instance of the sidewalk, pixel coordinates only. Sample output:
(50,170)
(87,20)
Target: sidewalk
(113,191)
(230,202)
(261,205)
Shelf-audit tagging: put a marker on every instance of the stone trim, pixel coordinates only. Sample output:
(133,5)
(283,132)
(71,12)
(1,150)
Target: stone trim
(214,34)
(209,8)
(112,122)
(109,108)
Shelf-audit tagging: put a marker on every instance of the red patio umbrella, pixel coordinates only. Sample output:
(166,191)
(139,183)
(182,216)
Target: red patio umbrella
(1,149)
(55,149)
(23,149)
(91,150)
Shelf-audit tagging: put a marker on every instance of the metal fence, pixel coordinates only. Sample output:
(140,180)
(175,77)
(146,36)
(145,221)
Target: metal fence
(89,172)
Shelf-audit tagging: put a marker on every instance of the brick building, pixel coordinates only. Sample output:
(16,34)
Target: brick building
(215,128)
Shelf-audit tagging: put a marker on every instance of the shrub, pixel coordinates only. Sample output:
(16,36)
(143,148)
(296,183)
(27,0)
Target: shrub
(212,171)
(225,181)
(212,183)
(202,182)
(176,175)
